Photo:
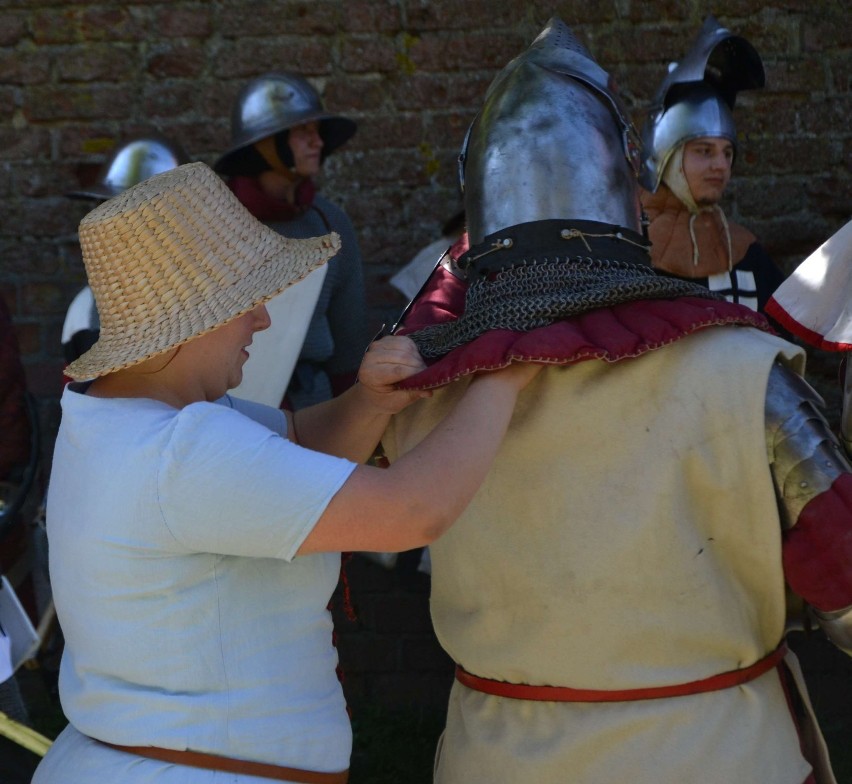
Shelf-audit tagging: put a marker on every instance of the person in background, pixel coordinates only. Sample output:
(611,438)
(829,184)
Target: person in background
(689,148)
(195,539)
(130,162)
(409,280)
(280,136)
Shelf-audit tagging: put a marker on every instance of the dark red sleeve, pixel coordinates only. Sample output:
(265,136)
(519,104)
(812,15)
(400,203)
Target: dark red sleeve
(817,550)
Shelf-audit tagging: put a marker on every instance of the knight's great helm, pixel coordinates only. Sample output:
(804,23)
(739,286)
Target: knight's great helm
(697,96)
(272,104)
(551,141)
(131,162)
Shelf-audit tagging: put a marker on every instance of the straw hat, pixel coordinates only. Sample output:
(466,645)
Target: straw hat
(176,256)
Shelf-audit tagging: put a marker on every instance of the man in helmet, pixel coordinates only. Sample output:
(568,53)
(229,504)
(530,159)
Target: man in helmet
(132,161)
(689,147)
(281,134)
(614,594)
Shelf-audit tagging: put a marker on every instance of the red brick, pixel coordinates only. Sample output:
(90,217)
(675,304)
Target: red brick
(767,197)
(829,29)
(23,67)
(797,76)
(368,16)
(284,17)
(364,54)
(841,73)
(188,21)
(13,28)
(30,258)
(46,217)
(311,56)
(56,26)
(764,114)
(8,100)
(439,91)
(86,140)
(35,180)
(821,115)
(114,23)
(199,138)
(24,144)
(96,102)
(90,23)
(179,62)
(456,52)
(170,100)
(470,15)
(353,95)
(669,12)
(396,130)
(98,62)
(831,195)
(639,45)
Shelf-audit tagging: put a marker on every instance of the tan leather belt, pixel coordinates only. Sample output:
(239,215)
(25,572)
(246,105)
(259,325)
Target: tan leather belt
(197,759)
(522,691)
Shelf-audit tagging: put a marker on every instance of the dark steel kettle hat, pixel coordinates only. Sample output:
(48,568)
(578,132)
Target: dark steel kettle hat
(276,102)
(130,163)
(697,96)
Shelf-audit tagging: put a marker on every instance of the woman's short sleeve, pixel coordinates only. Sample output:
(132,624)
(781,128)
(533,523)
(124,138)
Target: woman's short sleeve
(231,486)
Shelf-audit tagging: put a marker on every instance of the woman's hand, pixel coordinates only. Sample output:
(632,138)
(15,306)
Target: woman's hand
(387,362)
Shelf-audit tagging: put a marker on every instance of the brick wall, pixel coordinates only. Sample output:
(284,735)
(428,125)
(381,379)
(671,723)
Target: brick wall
(76,76)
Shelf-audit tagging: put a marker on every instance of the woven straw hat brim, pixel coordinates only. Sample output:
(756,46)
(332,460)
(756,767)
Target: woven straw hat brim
(176,257)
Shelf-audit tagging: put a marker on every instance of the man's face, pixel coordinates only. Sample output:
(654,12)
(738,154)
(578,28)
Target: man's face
(707,168)
(306,146)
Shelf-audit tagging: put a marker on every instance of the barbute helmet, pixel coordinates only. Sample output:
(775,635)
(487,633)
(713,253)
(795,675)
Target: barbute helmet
(551,141)
(272,104)
(130,163)
(697,97)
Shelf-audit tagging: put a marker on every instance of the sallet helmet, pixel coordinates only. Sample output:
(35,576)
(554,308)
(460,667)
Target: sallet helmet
(551,141)
(697,97)
(273,103)
(131,162)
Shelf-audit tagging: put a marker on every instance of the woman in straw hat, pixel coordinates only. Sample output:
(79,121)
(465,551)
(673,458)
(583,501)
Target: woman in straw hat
(193,548)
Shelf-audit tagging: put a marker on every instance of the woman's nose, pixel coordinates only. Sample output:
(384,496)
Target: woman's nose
(261,318)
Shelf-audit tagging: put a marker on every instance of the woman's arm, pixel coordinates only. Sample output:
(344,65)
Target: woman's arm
(418,497)
(351,424)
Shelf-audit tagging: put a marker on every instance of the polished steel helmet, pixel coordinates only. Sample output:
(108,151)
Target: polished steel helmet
(276,102)
(551,141)
(697,96)
(131,162)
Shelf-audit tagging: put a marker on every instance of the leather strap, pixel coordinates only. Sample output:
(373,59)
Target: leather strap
(522,691)
(197,759)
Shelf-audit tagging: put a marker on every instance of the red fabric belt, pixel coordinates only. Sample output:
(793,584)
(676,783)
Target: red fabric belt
(522,691)
(197,759)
